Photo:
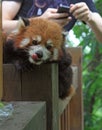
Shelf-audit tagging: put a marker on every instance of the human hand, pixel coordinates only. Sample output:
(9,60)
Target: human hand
(61,18)
(81,11)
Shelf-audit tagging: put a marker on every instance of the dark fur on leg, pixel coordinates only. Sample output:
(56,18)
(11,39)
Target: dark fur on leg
(16,56)
(65,75)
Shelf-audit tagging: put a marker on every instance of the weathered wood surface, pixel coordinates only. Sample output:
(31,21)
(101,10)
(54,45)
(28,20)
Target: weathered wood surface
(11,83)
(42,85)
(26,116)
(39,85)
(75,107)
(20,86)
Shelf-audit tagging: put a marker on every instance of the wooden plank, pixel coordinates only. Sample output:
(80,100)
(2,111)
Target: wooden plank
(43,86)
(26,116)
(68,115)
(66,119)
(1,83)
(11,83)
(76,53)
(76,103)
(62,122)
(55,98)
(75,106)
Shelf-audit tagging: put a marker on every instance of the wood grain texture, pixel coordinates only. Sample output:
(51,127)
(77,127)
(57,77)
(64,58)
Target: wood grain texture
(43,86)
(11,83)
(26,116)
(76,103)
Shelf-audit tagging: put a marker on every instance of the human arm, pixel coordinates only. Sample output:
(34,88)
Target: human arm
(9,11)
(11,8)
(81,12)
(95,22)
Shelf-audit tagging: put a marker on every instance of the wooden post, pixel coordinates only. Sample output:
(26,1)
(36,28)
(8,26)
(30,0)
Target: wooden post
(72,112)
(41,84)
(45,80)
(0,53)
(76,103)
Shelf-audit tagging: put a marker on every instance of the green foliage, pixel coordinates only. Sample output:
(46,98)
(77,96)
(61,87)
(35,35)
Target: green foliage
(1,105)
(92,74)
(99,6)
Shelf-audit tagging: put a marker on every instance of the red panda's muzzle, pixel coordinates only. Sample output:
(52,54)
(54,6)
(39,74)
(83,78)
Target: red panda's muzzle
(38,55)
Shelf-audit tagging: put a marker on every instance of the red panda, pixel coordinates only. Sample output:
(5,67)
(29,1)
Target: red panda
(36,42)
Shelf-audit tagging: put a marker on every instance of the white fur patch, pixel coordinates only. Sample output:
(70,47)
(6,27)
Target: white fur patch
(49,41)
(24,42)
(37,38)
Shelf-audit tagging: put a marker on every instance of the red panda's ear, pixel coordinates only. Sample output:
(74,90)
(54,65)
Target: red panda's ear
(26,21)
(22,23)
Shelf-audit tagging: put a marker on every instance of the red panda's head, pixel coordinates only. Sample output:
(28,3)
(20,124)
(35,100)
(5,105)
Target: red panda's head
(41,39)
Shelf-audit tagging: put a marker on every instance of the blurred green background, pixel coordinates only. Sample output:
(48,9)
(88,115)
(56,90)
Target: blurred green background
(92,72)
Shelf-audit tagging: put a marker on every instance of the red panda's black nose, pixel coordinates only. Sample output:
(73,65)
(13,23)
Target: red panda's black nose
(39,54)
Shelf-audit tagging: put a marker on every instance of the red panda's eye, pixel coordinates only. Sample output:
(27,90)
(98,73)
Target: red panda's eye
(34,42)
(48,47)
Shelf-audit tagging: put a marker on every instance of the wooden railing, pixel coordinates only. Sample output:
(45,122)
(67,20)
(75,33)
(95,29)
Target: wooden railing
(72,116)
(42,85)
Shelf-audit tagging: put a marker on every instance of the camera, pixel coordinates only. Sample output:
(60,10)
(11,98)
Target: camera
(63,9)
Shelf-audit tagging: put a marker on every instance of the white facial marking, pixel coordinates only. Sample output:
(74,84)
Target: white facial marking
(46,54)
(37,38)
(49,41)
(24,42)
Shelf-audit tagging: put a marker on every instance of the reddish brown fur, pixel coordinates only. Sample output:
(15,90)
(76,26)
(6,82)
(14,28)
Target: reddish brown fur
(38,27)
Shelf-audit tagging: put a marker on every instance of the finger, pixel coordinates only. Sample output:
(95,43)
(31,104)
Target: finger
(80,11)
(53,10)
(78,6)
(59,15)
(63,22)
(82,16)
(73,8)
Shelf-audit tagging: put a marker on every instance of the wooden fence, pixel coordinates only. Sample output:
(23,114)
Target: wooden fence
(42,85)
(72,116)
